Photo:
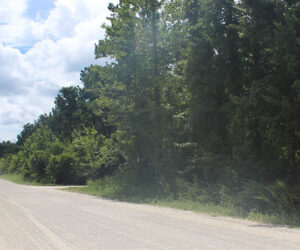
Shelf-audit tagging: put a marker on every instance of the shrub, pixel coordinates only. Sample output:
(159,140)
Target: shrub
(3,166)
(277,197)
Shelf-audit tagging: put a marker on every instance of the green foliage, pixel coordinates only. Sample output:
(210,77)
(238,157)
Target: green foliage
(94,155)
(85,148)
(110,158)
(7,148)
(3,166)
(13,164)
(62,169)
(67,114)
(273,198)
(27,131)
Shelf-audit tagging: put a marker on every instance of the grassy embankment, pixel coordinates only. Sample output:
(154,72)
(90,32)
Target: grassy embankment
(19,179)
(113,192)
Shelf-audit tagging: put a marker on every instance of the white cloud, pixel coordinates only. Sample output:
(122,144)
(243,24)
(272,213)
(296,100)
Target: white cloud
(14,72)
(13,27)
(10,10)
(60,47)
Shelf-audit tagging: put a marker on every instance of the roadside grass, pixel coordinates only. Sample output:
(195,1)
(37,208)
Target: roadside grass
(19,179)
(112,191)
(292,221)
(215,210)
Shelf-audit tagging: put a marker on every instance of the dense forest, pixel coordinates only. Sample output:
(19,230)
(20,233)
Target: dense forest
(199,99)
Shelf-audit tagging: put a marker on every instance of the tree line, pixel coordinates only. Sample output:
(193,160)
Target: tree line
(200,98)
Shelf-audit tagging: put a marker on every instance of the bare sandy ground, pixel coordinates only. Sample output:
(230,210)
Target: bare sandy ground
(47,218)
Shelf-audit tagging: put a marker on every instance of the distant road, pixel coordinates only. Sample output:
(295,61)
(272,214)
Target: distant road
(46,218)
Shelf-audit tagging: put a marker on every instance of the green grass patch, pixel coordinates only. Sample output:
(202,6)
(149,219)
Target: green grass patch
(189,205)
(19,179)
(276,219)
(215,210)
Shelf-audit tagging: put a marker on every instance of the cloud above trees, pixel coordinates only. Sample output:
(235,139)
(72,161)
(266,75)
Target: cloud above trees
(40,55)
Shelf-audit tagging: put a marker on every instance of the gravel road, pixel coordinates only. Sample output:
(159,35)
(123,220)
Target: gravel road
(34,217)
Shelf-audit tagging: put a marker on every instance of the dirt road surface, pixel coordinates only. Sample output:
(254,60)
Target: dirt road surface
(47,218)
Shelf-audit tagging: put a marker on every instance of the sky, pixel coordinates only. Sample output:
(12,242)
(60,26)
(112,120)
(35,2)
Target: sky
(44,44)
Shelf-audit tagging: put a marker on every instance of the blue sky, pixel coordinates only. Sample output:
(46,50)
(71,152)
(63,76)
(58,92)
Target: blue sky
(43,46)
(39,9)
